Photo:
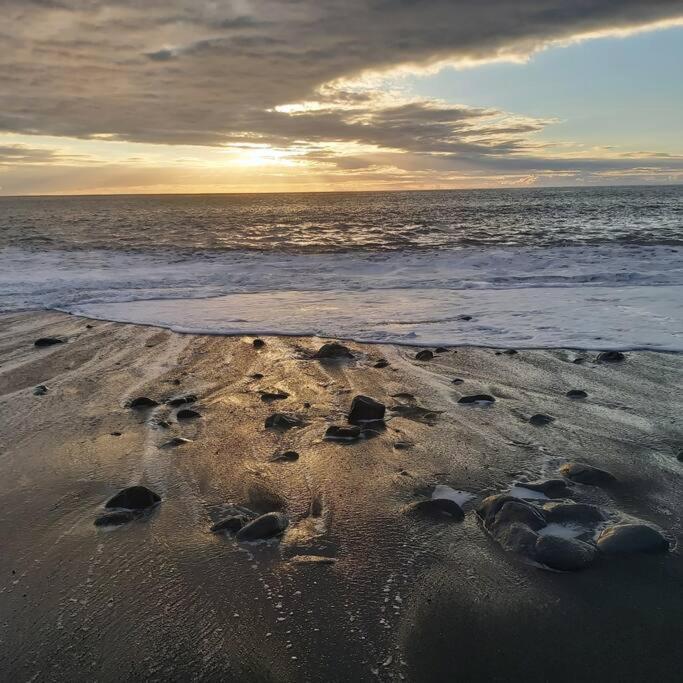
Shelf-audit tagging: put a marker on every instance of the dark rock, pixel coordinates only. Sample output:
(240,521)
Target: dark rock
(554,488)
(258,343)
(142,402)
(564,554)
(181,400)
(477,398)
(175,381)
(115,433)
(175,441)
(161,424)
(611,357)
(488,508)
(266,526)
(256,375)
(287,456)
(187,414)
(632,538)
(403,445)
(232,523)
(577,393)
(540,420)
(510,352)
(333,350)
(283,421)
(520,512)
(47,341)
(457,380)
(579,361)
(89,326)
(441,349)
(366,409)
(133,498)
(425,354)
(465,317)
(40,390)
(273,395)
(114,518)
(517,538)
(573,513)
(680,456)
(306,404)
(586,474)
(438,507)
(316,507)
(381,363)
(342,433)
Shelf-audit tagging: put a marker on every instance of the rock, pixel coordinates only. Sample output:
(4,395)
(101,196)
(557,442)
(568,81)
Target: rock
(115,433)
(586,474)
(457,380)
(134,498)
(366,409)
(464,317)
(273,395)
(441,349)
(312,559)
(573,513)
(540,420)
(554,488)
(114,518)
(577,393)
(47,341)
(611,357)
(579,361)
(232,523)
(266,526)
(564,554)
(520,512)
(40,390)
(333,350)
(381,363)
(425,354)
(438,507)
(510,352)
(632,538)
(517,538)
(187,414)
(142,402)
(680,456)
(477,398)
(287,456)
(283,421)
(256,375)
(488,508)
(342,433)
(181,400)
(258,343)
(175,441)
(89,326)
(403,445)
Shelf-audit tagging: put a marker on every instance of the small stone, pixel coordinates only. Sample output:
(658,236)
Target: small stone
(577,394)
(381,363)
(438,507)
(268,396)
(115,433)
(89,326)
(256,375)
(283,421)
(586,474)
(258,343)
(366,409)
(481,399)
(232,523)
(465,317)
(43,342)
(342,433)
(579,361)
(142,402)
(611,357)
(457,380)
(564,554)
(175,441)
(333,350)
(181,400)
(134,498)
(187,414)
(425,354)
(403,445)
(441,349)
(40,390)
(632,538)
(680,456)
(510,352)
(266,526)
(287,456)
(114,518)
(520,512)
(540,420)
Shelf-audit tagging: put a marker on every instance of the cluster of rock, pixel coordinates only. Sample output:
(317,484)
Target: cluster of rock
(365,418)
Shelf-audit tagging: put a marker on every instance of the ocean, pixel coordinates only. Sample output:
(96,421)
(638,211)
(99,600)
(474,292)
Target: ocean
(596,268)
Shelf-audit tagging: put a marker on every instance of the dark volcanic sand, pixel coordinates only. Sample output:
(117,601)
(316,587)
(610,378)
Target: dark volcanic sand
(410,597)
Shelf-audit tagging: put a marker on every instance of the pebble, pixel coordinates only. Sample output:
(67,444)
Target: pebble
(142,402)
(283,421)
(40,390)
(632,538)
(258,343)
(586,474)
(133,498)
(438,507)
(287,456)
(425,354)
(333,350)
(181,400)
(611,357)
(366,409)
(187,414)
(265,526)
(381,363)
(47,341)
(342,433)
(540,420)
(577,394)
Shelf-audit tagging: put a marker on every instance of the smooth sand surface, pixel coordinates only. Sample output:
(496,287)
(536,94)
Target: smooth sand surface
(408,598)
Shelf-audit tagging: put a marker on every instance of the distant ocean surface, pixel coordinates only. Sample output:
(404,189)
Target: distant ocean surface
(585,268)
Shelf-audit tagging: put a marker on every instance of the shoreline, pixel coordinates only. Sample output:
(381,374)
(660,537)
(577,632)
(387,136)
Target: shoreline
(415,598)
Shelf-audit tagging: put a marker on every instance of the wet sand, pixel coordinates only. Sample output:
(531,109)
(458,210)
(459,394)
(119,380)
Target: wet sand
(408,597)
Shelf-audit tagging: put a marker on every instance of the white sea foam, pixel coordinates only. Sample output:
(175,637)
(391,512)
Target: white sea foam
(617,297)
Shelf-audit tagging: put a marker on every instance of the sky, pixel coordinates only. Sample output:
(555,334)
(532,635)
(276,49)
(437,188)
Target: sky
(125,96)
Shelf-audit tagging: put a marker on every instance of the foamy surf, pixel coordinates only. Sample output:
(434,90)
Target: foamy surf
(603,297)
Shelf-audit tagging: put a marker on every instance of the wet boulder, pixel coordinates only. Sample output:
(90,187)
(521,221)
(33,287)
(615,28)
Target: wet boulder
(187,414)
(381,363)
(586,474)
(573,513)
(258,343)
(441,349)
(489,507)
(632,538)
(564,554)
(283,421)
(114,518)
(520,512)
(342,433)
(577,394)
(44,342)
(365,409)
(540,420)
(233,523)
(438,507)
(142,403)
(133,498)
(277,395)
(332,350)
(611,357)
(517,538)
(425,354)
(263,527)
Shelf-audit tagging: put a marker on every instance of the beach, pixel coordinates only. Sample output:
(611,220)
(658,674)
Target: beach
(365,582)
